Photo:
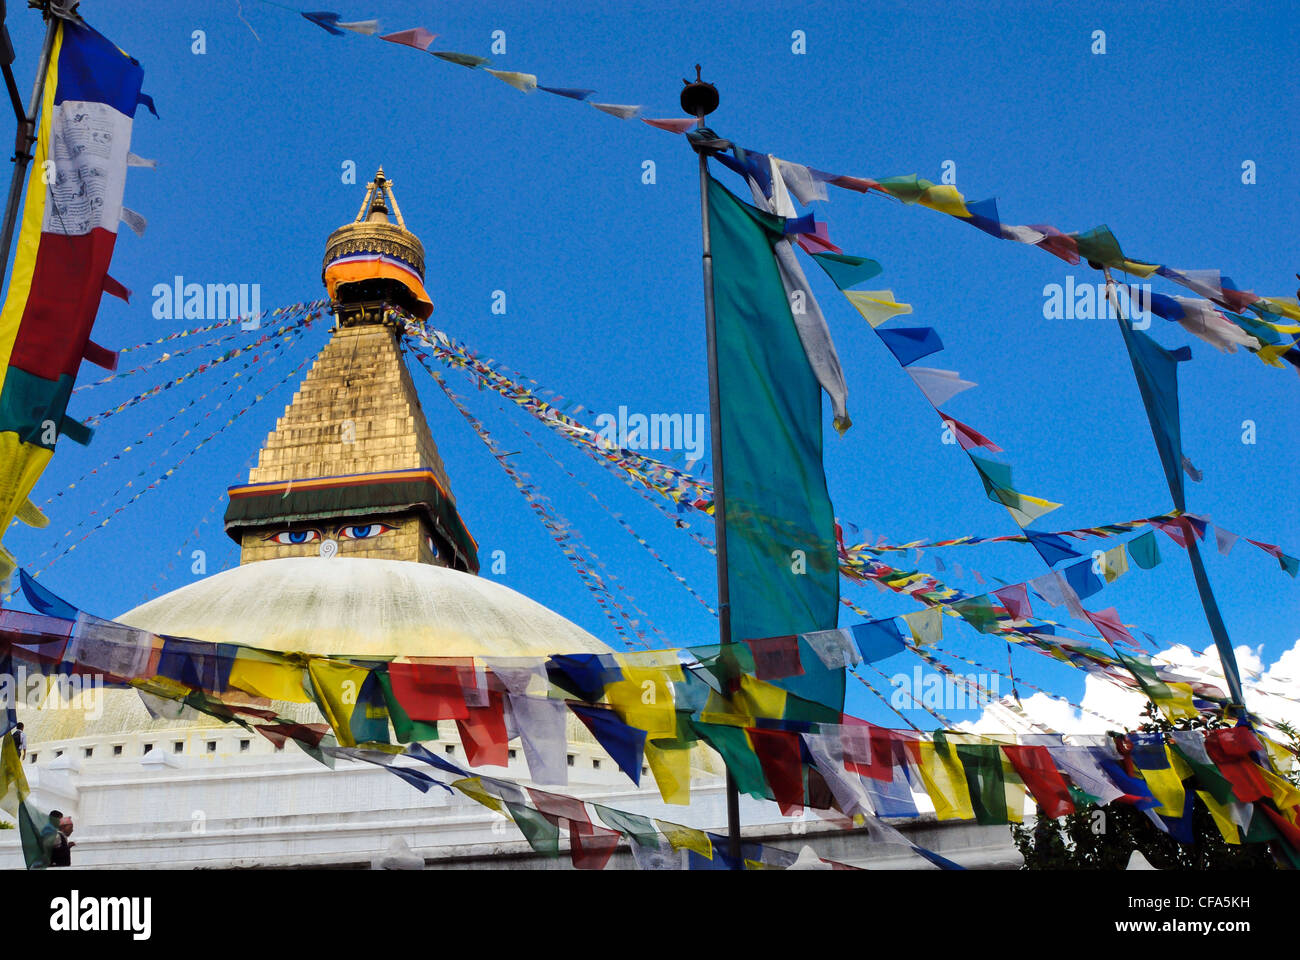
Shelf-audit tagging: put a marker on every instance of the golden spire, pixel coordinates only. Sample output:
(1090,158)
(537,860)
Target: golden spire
(373,248)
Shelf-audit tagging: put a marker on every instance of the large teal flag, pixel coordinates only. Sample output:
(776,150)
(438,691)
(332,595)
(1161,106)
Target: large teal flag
(783,570)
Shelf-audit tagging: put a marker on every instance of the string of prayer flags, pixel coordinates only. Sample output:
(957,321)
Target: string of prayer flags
(757,731)
(60,269)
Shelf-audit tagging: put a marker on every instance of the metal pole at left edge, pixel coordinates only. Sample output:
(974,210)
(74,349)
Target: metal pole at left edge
(698,99)
(26,136)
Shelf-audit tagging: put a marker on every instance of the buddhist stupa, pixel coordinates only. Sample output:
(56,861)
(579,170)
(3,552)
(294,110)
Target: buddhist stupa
(350,542)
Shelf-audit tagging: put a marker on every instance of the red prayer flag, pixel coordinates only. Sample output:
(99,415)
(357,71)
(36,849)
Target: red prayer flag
(672,125)
(1041,778)
(1016,600)
(483,733)
(1107,622)
(860,184)
(430,692)
(776,657)
(968,437)
(417,37)
(590,847)
(778,752)
(1230,750)
(556,805)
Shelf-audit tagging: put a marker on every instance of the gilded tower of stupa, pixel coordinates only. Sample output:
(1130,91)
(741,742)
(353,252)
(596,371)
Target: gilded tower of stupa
(352,469)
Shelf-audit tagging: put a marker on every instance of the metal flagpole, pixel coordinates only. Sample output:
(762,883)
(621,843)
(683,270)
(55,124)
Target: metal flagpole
(699,99)
(25,136)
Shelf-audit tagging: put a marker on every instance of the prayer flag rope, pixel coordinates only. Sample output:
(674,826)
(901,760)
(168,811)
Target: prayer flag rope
(780,747)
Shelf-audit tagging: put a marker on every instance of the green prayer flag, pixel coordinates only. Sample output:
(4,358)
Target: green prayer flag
(978,612)
(783,567)
(1207,778)
(732,743)
(641,829)
(464,59)
(542,835)
(847,271)
(1100,246)
(982,764)
(406,729)
(1144,551)
(909,189)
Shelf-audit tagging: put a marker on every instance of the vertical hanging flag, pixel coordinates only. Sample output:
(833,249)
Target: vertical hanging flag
(1157,375)
(783,572)
(65,243)
(1156,370)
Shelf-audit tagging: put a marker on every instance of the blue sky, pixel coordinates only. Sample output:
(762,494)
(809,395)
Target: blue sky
(543,198)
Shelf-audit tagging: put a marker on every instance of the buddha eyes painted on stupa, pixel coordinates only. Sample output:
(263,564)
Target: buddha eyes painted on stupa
(294,537)
(348,531)
(362,531)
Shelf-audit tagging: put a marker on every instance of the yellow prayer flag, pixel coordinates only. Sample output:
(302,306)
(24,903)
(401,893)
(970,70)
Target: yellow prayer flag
(525,82)
(1115,562)
(1167,788)
(1138,268)
(1178,703)
(1269,354)
(672,772)
(1284,794)
(1025,509)
(876,306)
(269,675)
(1222,818)
(1014,789)
(13,780)
(644,697)
(926,625)
(946,199)
(718,709)
(1286,306)
(759,698)
(472,787)
(337,686)
(945,781)
(686,838)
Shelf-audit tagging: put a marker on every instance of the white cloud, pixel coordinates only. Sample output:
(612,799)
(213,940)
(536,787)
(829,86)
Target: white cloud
(1272,693)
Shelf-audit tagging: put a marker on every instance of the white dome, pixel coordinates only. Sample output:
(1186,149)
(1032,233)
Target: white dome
(343,605)
(361,606)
